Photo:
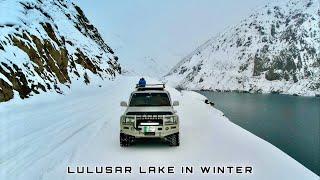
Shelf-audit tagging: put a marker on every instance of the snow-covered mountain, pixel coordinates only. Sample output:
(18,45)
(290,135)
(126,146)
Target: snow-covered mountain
(147,67)
(276,49)
(47,45)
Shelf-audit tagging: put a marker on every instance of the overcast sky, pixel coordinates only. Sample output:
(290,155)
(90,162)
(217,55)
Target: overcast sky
(166,30)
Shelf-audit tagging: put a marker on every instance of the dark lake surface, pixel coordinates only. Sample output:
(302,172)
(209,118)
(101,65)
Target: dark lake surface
(290,123)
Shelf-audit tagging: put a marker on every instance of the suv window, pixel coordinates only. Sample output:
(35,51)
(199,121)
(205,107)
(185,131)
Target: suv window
(150,99)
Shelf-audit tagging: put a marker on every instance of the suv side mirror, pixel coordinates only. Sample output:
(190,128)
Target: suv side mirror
(123,104)
(175,103)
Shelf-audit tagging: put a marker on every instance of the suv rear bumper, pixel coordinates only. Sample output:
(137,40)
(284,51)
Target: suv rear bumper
(144,132)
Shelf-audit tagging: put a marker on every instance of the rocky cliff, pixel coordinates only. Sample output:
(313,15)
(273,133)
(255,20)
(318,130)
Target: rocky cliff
(46,45)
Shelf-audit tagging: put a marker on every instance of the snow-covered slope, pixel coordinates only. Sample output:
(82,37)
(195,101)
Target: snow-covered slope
(46,45)
(84,131)
(147,67)
(276,49)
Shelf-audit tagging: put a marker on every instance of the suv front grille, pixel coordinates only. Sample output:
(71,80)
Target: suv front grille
(156,119)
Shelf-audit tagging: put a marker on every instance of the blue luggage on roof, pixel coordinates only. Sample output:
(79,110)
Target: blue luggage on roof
(142,82)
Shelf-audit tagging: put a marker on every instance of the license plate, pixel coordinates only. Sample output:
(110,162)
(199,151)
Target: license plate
(149,129)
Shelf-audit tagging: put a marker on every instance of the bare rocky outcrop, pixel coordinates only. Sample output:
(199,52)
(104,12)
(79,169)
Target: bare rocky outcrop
(41,56)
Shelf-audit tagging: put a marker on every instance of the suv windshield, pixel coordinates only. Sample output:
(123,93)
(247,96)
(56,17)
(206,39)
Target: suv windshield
(150,99)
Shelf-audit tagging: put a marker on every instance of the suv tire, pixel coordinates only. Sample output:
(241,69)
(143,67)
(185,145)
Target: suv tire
(125,140)
(174,139)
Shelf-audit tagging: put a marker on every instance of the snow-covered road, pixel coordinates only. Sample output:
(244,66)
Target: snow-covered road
(43,135)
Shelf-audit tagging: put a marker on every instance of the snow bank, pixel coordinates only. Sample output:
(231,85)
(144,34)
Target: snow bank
(43,135)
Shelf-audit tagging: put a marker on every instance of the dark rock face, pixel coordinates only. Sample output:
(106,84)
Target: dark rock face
(18,80)
(6,92)
(50,64)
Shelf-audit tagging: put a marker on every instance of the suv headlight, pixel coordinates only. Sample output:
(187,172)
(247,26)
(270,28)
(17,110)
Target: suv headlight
(129,120)
(171,120)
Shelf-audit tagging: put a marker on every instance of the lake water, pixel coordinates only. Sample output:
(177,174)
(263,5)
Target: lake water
(290,123)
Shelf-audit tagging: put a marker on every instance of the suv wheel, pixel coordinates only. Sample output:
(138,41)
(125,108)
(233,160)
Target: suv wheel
(174,140)
(125,140)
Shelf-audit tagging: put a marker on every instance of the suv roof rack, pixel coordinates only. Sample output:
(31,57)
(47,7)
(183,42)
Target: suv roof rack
(150,87)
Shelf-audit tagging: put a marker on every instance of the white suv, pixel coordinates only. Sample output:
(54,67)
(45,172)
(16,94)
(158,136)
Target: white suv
(149,114)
